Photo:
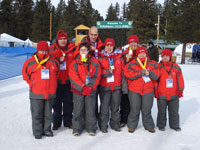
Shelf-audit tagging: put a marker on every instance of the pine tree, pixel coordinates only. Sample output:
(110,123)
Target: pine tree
(144,14)
(40,26)
(24,17)
(183,22)
(7,17)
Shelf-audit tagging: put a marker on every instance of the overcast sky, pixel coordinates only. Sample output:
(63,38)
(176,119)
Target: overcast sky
(102,5)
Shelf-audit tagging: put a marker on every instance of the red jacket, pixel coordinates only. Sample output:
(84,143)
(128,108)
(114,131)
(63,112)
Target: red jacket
(41,88)
(63,77)
(105,72)
(78,72)
(133,74)
(99,45)
(175,74)
(126,51)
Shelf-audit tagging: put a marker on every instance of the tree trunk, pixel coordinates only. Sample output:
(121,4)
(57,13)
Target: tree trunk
(183,53)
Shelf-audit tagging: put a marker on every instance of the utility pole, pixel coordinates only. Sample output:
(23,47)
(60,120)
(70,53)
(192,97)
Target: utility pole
(50,27)
(158,29)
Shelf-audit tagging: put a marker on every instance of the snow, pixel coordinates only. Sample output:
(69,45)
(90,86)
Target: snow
(16,132)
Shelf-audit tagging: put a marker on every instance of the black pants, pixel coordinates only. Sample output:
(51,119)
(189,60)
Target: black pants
(63,106)
(173,109)
(124,108)
(41,116)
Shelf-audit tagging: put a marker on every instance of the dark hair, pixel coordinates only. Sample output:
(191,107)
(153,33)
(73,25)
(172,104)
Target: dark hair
(85,44)
(151,43)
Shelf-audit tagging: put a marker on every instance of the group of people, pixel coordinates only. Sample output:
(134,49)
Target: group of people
(68,79)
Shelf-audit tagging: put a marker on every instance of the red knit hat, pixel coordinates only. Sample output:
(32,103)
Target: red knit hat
(109,41)
(62,34)
(133,38)
(167,52)
(42,45)
(141,50)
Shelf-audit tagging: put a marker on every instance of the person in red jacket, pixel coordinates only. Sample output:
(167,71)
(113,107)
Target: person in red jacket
(170,89)
(110,86)
(128,55)
(85,74)
(141,74)
(63,51)
(40,72)
(96,45)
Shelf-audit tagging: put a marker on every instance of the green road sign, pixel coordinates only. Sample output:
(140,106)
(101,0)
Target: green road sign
(114,24)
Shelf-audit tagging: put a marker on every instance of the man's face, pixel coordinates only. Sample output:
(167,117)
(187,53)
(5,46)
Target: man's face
(84,50)
(62,42)
(150,45)
(93,34)
(109,48)
(133,45)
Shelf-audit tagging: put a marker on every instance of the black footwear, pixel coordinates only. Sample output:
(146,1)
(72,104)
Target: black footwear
(161,128)
(38,137)
(69,126)
(55,127)
(131,130)
(177,129)
(117,129)
(49,134)
(122,124)
(104,130)
(152,130)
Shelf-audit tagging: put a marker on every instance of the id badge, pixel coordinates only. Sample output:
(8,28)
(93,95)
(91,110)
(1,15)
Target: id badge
(130,52)
(63,66)
(110,79)
(88,78)
(45,73)
(169,83)
(146,78)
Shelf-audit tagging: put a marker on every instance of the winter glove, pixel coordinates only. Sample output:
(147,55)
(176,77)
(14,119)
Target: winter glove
(180,93)
(86,90)
(156,94)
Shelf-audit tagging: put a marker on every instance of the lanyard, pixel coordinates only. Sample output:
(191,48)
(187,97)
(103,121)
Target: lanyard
(145,63)
(110,61)
(169,69)
(42,62)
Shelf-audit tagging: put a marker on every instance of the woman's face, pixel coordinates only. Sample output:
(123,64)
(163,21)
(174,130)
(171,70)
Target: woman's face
(84,50)
(62,42)
(109,48)
(142,55)
(166,58)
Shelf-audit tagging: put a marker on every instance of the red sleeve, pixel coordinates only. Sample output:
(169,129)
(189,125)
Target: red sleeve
(25,74)
(74,77)
(54,52)
(97,76)
(180,81)
(130,73)
(155,72)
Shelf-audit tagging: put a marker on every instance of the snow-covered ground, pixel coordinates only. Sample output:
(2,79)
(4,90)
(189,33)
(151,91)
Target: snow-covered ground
(16,132)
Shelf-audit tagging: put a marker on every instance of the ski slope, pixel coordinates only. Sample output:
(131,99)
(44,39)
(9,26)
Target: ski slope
(16,132)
